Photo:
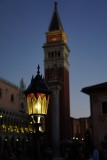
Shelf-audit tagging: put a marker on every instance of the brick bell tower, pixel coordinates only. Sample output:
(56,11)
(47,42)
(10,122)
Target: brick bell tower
(56,68)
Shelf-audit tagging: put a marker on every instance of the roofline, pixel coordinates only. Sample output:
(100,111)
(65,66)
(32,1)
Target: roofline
(95,88)
(8,83)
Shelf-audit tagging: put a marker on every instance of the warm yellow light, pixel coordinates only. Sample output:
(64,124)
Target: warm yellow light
(4,127)
(31,130)
(37,104)
(38,119)
(40,129)
(1,116)
(26,129)
(38,107)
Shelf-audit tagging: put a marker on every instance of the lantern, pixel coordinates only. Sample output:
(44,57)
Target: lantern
(37,94)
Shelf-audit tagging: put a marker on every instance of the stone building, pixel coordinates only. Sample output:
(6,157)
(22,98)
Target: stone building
(13,119)
(79,127)
(98,107)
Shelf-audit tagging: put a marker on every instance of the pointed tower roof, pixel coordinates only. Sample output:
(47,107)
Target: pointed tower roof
(55,23)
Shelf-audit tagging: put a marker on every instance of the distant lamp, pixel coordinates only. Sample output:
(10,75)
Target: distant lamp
(1,116)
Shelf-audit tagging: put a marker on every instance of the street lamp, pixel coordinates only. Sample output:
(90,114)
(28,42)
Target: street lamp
(37,94)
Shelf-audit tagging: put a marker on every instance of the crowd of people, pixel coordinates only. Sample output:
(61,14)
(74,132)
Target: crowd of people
(8,152)
(83,153)
(20,152)
(71,152)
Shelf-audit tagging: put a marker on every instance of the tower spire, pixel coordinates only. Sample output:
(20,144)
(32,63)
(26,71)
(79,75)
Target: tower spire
(55,3)
(55,23)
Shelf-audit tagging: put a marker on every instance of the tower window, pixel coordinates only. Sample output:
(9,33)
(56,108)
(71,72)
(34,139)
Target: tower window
(104,107)
(49,55)
(52,54)
(55,54)
(22,105)
(0,93)
(59,54)
(12,98)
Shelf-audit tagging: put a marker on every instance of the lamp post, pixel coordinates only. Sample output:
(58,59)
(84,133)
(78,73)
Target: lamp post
(37,94)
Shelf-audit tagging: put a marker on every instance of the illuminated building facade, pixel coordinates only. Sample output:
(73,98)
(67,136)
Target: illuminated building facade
(13,119)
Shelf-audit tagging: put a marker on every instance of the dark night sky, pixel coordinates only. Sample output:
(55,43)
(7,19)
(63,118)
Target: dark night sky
(23,24)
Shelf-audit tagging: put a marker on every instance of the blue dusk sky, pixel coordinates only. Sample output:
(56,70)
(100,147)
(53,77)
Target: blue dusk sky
(23,24)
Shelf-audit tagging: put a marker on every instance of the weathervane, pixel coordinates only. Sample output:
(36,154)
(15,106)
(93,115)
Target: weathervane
(55,2)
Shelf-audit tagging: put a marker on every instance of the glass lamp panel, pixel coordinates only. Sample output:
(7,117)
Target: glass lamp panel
(34,101)
(29,105)
(37,104)
(42,95)
(44,105)
(47,103)
(37,107)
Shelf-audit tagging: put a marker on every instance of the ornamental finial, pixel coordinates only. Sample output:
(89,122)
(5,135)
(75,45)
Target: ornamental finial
(38,72)
(55,4)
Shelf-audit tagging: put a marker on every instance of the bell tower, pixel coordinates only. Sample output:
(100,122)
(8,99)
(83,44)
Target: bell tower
(56,68)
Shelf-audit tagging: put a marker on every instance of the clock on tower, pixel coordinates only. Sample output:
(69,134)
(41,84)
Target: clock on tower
(56,36)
